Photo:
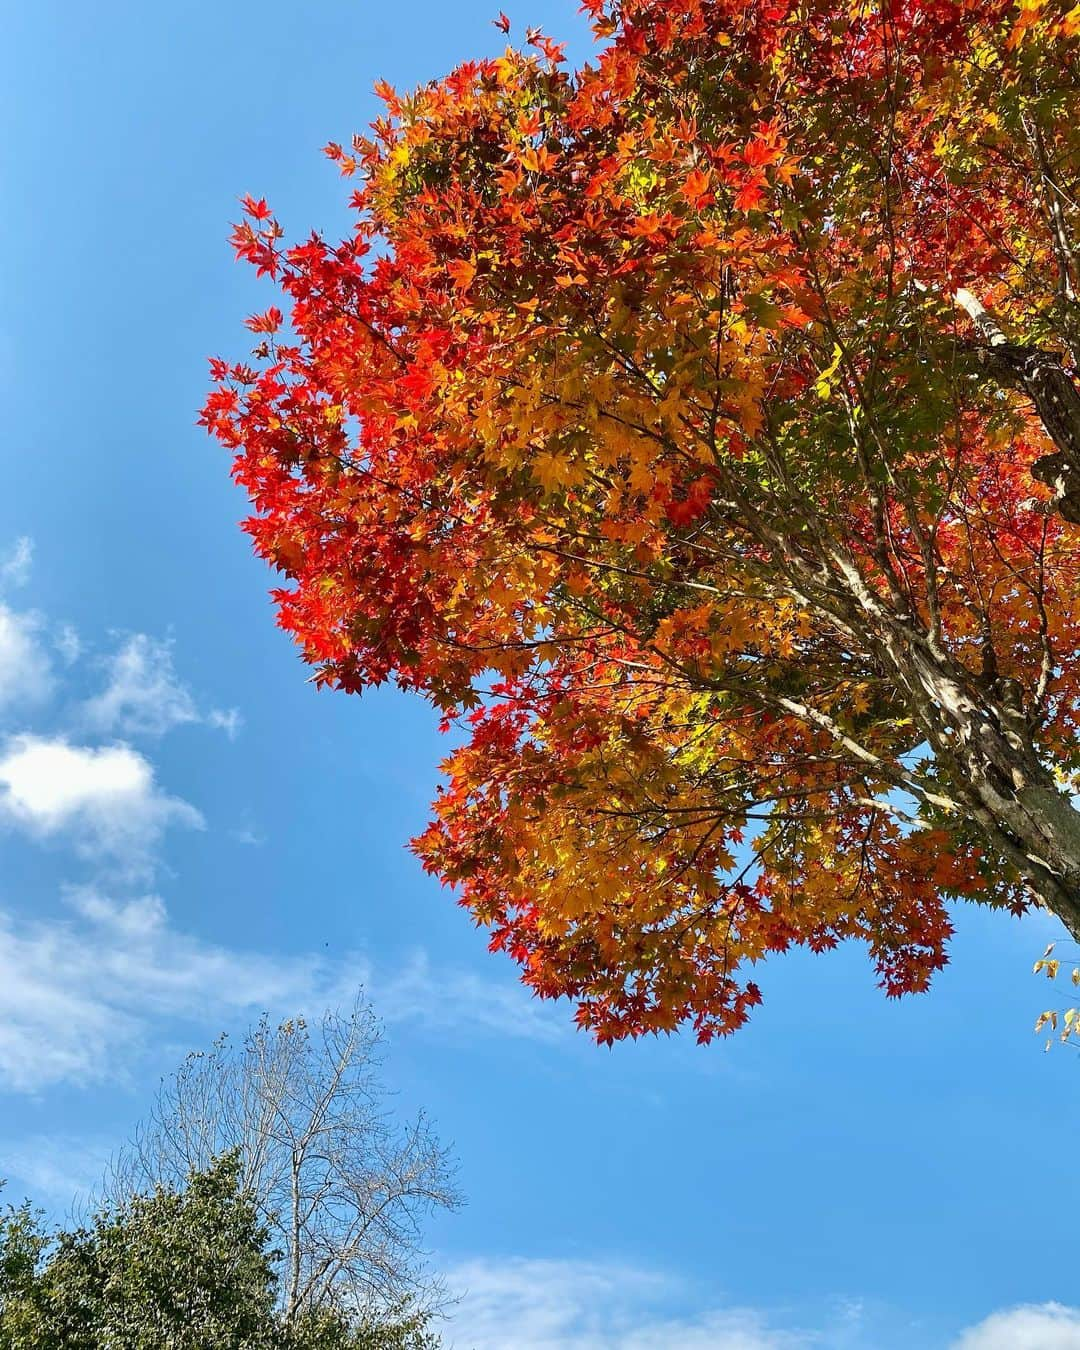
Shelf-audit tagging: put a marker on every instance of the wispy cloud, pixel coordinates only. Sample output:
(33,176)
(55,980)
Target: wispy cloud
(144,696)
(537,1304)
(227,720)
(571,1305)
(448,1002)
(83,992)
(61,1169)
(68,643)
(248,837)
(16,563)
(105,800)
(25,668)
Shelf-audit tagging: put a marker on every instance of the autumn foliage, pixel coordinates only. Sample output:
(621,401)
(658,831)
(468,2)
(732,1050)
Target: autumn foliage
(667,425)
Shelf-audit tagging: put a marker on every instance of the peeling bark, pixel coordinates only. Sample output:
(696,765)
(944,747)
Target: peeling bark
(995,772)
(1042,377)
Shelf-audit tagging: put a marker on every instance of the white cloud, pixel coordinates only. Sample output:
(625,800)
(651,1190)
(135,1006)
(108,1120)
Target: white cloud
(1042,1326)
(25,669)
(105,799)
(62,1168)
(536,1304)
(143,695)
(82,993)
(570,1305)
(229,721)
(15,565)
(68,643)
(457,1001)
(248,837)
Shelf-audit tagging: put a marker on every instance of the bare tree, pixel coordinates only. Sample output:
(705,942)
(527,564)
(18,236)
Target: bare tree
(342,1188)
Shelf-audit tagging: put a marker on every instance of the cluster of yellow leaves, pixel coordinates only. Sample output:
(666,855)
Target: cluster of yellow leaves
(1065,1022)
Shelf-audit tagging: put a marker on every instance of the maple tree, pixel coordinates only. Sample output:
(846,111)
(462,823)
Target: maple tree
(698,431)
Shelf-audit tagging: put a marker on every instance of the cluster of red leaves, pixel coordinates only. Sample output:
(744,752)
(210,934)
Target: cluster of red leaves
(540,430)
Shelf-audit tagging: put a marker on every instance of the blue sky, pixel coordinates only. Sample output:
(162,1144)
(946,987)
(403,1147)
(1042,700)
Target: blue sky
(191,834)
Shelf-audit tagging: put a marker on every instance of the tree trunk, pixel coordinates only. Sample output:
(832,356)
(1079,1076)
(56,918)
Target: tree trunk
(1038,829)
(995,771)
(292,1300)
(1051,389)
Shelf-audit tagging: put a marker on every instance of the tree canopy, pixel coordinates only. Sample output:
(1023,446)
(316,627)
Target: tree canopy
(185,1266)
(698,432)
(178,1267)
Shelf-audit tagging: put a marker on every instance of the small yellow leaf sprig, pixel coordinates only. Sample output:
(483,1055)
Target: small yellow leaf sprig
(1065,1023)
